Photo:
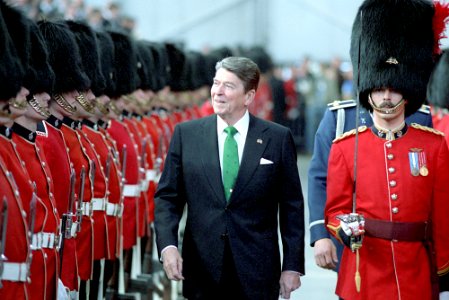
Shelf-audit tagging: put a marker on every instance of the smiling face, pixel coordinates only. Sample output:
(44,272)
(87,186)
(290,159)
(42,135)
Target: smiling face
(228,96)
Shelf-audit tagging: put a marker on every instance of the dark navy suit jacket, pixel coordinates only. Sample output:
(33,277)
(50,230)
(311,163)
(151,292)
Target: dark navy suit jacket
(249,221)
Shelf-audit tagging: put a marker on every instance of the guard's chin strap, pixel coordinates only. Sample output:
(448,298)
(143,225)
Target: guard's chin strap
(386,110)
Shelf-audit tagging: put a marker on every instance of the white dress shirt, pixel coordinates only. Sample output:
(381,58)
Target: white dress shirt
(242,126)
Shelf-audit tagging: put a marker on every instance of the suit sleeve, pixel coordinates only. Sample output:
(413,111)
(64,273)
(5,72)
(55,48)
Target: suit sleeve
(169,198)
(291,209)
(317,177)
(339,191)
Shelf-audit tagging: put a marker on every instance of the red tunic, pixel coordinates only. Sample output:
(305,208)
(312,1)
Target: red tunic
(17,247)
(131,192)
(387,190)
(138,141)
(79,159)
(98,199)
(46,257)
(55,149)
(112,199)
(148,185)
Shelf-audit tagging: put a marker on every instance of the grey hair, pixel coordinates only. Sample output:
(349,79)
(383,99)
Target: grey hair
(244,68)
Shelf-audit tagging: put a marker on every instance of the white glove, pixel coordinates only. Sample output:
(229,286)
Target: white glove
(352,224)
(444,296)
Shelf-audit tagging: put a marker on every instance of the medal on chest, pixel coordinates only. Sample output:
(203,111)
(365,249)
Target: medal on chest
(418,162)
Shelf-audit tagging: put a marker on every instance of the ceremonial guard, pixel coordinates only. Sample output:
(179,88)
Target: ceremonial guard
(438,94)
(387,184)
(339,117)
(105,213)
(125,63)
(15,254)
(70,80)
(39,78)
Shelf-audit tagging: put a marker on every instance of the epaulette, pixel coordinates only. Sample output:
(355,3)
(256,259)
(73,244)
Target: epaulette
(337,104)
(425,109)
(349,133)
(425,128)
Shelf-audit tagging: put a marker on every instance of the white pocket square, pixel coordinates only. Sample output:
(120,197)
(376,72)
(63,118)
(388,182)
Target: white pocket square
(264,161)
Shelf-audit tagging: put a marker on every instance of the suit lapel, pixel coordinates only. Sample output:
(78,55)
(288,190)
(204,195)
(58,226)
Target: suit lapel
(255,145)
(209,156)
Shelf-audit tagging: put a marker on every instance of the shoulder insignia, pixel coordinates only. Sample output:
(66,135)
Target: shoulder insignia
(425,128)
(338,104)
(425,109)
(349,133)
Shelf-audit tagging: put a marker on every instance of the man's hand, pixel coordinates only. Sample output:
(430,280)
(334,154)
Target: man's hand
(172,263)
(289,282)
(325,254)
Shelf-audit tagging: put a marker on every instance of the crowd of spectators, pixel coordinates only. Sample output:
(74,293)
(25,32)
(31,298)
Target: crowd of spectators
(109,16)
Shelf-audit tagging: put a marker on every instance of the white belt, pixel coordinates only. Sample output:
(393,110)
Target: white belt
(113,209)
(144,185)
(14,271)
(86,208)
(131,190)
(151,175)
(99,204)
(44,240)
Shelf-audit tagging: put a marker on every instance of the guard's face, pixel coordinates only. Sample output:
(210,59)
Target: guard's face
(228,96)
(41,112)
(21,100)
(386,98)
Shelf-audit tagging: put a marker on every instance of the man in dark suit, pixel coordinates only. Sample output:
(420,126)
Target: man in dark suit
(230,247)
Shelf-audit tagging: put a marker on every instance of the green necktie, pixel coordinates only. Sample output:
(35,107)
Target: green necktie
(230,161)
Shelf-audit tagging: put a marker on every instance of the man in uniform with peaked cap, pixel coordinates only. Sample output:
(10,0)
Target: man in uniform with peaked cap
(399,205)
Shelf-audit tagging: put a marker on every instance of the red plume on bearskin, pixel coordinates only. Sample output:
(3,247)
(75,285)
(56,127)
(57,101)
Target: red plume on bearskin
(440,20)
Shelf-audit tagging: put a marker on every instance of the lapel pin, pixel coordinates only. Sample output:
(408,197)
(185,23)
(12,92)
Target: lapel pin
(259,141)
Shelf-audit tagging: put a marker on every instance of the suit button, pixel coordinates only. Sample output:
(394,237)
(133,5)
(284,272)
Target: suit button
(395,210)
(390,156)
(392,183)
(394,197)
(224,236)
(388,145)
(391,170)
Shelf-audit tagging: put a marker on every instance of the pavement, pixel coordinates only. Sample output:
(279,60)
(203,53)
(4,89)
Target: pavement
(317,284)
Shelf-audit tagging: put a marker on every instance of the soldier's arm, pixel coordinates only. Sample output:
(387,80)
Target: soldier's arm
(317,176)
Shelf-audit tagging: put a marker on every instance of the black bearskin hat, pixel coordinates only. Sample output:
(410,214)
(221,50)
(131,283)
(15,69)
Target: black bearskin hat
(64,57)
(176,59)
(396,41)
(146,71)
(39,76)
(125,64)
(87,43)
(18,27)
(161,64)
(438,88)
(107,54)
(11,70)
(199,74)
